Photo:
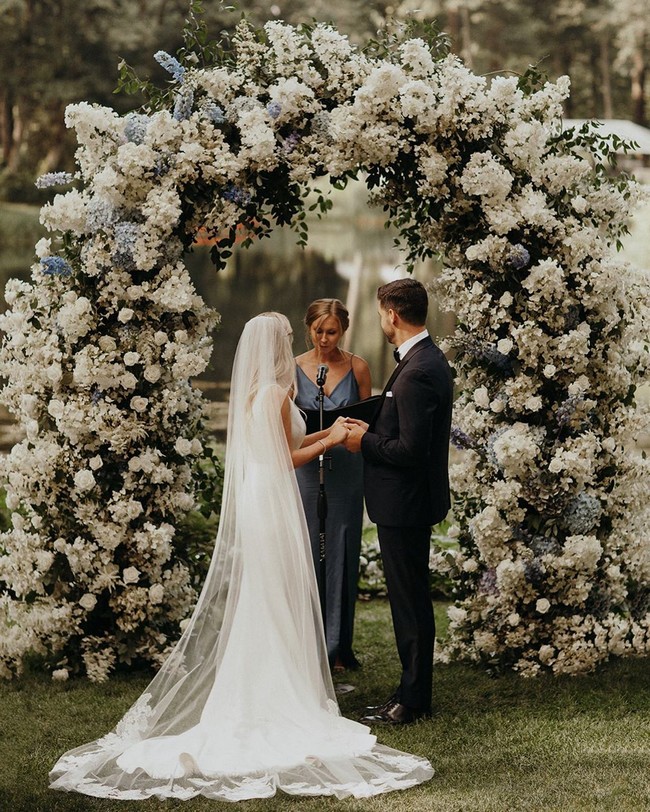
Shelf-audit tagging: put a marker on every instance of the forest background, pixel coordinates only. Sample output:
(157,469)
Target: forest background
(55,52)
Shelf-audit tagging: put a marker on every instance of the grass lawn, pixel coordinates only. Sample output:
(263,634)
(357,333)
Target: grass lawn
(497,745)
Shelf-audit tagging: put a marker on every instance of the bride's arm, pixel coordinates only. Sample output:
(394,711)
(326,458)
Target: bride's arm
(314,444)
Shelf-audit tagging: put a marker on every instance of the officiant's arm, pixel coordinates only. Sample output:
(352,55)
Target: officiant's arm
(314,444)
(361,372)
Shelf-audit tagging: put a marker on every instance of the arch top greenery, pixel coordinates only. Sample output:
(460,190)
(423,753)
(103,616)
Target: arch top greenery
(551,566)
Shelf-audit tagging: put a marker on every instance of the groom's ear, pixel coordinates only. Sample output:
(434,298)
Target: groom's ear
(392,315)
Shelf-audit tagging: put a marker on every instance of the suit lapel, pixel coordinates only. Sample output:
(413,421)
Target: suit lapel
(427,341)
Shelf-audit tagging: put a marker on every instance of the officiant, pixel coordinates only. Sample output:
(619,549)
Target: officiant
(347,382)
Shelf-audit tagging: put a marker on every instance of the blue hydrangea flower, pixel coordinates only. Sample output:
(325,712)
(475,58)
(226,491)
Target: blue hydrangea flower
(170,64)
(274,109)
(488,583)
(489,446)
(567,412)
(460,439)
(237,195)
(135,128)
(55,266)
(54,179)
(100,214)
(518,258)
(483,351)
(541,545)
(582,514)
(126,235)
(290,143)
(183,104)
(215,113)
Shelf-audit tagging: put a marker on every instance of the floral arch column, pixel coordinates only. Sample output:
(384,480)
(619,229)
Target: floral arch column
(552,568)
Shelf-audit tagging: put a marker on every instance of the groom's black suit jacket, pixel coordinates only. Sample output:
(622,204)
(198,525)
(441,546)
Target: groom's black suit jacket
(406,447)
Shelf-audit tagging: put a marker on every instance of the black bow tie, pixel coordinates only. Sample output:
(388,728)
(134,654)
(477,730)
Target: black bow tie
(396,355)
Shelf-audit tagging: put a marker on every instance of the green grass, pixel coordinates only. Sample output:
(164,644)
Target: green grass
(497,745)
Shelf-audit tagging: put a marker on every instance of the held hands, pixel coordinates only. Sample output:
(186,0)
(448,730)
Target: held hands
(339,432)
(357,428)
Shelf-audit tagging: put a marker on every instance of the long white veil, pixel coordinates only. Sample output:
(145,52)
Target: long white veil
(244,704)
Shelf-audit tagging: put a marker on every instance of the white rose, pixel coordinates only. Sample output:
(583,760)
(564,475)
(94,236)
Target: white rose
(54,373)
(107,344)
(84,480)
(156,593)
(481,398)
(497,405)
(609,444)
(504,345)
(546,653)
(130,575)
(533,403)
(456,614)
(60,674)
(180,336)
(549,370)
(125,314)
(183,446)
(131,358)
(160,338)
(543,605)
(197,448)
(513,619)
(152,373)
(96,462)
(128,380)
(88,602)
(55,409)
(139,404)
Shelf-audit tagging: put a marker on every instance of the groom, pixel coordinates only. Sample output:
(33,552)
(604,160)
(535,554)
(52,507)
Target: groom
(405,450)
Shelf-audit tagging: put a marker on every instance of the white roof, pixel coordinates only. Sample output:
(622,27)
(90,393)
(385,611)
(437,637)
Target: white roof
(627,130)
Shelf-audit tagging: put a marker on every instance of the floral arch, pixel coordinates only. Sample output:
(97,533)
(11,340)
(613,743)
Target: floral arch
(552,569)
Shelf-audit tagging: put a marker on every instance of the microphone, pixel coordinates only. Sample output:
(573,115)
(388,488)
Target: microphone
(321,375)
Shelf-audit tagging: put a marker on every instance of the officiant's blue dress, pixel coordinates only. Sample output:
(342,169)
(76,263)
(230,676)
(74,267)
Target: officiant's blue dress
(344,491)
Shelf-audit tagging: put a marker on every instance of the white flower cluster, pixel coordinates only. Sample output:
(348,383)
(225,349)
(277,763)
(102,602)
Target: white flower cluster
(100,347)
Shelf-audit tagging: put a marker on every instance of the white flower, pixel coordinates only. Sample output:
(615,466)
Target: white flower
(482,398)
(130,575)
(131,358)
(95,462)
(152,373)
(549,370)
(88,601)
(156,593)
(84,480)
(60,674)
(513,619)
(55,409)
(183,446)
(125,314)
(542,605)
(504,345)
(139,404)
(456,614)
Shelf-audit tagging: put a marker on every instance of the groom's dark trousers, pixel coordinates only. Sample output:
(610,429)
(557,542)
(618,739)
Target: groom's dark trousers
(406,484)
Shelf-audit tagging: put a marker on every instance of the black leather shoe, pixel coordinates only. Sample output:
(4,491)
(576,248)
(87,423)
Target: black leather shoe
(396,714)
(376,708)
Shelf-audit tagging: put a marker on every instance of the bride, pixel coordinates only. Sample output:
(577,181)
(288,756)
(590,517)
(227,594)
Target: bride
(244,704)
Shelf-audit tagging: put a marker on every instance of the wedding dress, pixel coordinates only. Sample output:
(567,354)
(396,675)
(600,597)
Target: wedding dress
(244,705)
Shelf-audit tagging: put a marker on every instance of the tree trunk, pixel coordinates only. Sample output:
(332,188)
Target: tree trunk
(6,126)
(638,77)
(606,76)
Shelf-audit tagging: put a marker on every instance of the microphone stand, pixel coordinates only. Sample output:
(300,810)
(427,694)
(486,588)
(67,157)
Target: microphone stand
(322,503)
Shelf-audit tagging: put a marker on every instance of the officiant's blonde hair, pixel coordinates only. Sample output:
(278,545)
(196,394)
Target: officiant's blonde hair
(320,309)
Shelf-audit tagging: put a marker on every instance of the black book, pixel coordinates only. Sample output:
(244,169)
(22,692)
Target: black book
(363,410)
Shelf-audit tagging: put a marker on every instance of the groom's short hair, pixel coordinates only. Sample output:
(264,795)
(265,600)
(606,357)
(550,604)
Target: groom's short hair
(407,297)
